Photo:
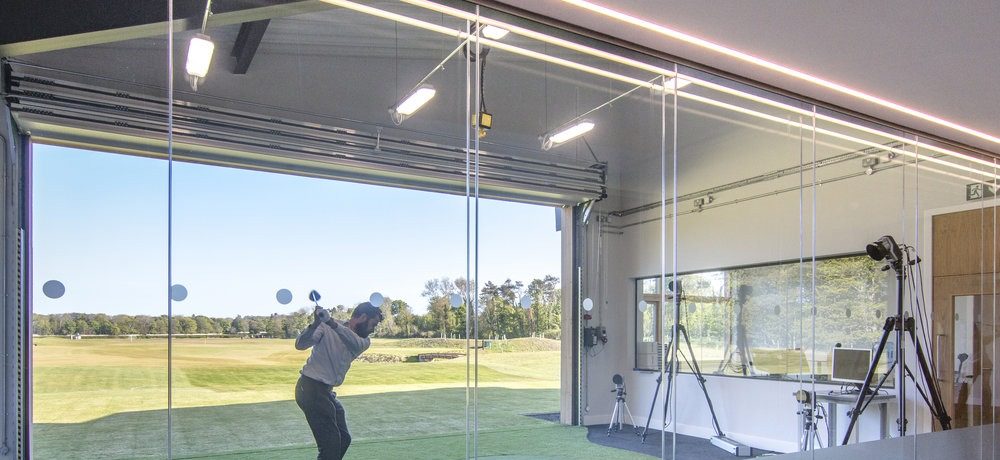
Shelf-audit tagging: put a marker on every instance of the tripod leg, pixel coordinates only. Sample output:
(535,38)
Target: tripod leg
(890,324)
(652,407)
(693,364)
(631,419)
(666,396)
(621,415)
(923,394)
(878,387)
(614,414)
(670,381)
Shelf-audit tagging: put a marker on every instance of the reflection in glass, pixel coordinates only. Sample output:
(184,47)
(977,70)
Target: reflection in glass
(973,356)
(743,320)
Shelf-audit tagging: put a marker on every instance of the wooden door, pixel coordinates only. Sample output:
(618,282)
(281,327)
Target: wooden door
(965,314)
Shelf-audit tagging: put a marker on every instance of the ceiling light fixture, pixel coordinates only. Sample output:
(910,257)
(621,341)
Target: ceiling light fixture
(200,52)
(565,133)
(411,103)
(199,55)
(494,33)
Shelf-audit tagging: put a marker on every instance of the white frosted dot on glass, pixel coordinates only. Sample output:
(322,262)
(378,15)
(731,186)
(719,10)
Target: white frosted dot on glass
(53,289)
(643,306)
(526,301)
(284,296)
(588,304)
(456,300)
(376,299)
(178,292)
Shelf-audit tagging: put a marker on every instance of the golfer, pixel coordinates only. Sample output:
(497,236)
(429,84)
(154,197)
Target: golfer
(334,345)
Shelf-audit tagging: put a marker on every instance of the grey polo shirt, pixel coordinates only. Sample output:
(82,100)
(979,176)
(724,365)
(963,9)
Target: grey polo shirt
(333,349)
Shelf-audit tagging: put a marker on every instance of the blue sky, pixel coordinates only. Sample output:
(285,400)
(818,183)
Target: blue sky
(100,227)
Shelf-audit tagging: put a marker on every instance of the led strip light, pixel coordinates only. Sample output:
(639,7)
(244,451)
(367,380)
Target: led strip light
(777,67)
(836,134)
(668,72)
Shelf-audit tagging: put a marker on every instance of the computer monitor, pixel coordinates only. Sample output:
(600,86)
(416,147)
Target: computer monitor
(850,365)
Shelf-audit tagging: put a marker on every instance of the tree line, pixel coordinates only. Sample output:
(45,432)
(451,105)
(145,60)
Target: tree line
(500,315)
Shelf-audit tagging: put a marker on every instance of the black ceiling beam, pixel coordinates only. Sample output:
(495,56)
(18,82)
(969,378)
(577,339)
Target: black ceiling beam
(32,26)
(246,44)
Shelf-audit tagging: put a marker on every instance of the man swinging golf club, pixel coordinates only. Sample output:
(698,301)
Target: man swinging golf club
(334,345)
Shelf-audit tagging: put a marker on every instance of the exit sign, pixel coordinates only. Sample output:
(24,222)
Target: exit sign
(979,191)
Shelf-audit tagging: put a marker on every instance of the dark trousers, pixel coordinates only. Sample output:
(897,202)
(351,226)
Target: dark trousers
(326,417)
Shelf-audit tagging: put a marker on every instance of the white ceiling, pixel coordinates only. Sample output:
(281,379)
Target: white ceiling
(942,58)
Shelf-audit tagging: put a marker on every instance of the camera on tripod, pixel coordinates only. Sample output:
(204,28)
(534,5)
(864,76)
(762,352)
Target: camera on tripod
(900,324)
(621,407)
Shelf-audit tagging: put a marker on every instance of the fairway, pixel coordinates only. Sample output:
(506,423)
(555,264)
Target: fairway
(233,398)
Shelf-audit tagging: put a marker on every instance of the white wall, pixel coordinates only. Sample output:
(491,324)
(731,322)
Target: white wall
(848,214)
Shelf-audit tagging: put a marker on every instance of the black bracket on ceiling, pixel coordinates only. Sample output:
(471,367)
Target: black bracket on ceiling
(246,44)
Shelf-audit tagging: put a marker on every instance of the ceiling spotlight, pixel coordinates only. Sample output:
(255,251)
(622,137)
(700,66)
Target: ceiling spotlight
(411,103)
(565,133)
(494,32)
(200,52)
(199,56)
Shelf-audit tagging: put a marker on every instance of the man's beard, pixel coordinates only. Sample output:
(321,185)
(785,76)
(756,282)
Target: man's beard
(363,331)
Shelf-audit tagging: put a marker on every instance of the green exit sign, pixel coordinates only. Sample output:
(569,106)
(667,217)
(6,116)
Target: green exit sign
(979,191)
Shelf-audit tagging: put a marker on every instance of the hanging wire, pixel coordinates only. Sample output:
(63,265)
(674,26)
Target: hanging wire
(170,194)
(204,18)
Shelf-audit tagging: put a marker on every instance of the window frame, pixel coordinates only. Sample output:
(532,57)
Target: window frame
(636,297)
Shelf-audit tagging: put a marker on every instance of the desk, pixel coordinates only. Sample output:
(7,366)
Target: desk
(850,399)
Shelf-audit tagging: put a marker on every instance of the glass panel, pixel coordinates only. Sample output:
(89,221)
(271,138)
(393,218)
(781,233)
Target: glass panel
(96,248)
(301,180)
(100,355)
(743,200)
(571,109)
(847,219)
(956,228)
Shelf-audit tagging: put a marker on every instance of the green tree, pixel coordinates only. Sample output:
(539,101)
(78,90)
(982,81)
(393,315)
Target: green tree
(275,326)
(238,325)
(185,325)
(41,325)
(403,316)
(255,326)
(204,325)
(438,294)
(158,325)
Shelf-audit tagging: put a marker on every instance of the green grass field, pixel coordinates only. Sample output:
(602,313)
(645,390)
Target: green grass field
(107,398)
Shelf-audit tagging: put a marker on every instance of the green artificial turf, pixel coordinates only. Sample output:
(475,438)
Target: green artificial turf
(234,399)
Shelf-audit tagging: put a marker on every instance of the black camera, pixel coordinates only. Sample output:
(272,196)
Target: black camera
(884,248)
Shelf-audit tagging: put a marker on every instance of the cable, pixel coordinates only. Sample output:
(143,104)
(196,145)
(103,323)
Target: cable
(914,273)
(920,284)
(482,83)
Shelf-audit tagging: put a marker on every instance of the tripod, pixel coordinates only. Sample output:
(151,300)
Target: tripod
(811,413)
(693,365)
(902,326)
(621,407)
